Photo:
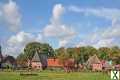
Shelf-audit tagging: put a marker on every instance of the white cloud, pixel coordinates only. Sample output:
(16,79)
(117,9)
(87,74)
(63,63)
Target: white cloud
(65,33)
(113,31)
(109,13)
(104,43)
(11,15)
(21,37)
(57,11)
(16,43)
(109,36)
(97,44)
(74,8)
(62,43)
(81,44)
(56,29)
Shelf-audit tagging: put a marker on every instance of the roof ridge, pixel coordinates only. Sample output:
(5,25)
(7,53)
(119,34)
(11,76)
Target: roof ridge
(36,57)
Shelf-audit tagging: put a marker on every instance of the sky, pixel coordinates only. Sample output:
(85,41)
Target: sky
(61,23)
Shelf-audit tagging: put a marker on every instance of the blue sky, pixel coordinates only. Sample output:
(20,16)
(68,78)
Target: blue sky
(60,23)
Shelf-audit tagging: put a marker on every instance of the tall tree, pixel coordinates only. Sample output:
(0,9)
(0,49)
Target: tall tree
(33,47)
(104,53)
(22,60)
(86,52)
(62,54)
(115,54)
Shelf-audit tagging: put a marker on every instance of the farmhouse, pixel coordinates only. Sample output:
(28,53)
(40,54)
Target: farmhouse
(9,62)
(68,65)
(35,62)
(39,61)
(94,63)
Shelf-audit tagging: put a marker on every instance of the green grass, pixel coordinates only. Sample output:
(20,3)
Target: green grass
(48,75)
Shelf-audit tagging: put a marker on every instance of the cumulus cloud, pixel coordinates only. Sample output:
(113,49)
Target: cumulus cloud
(81,44)
(113,31)
(104,43)
(56,29)
(64,33)
(109,13)
(16,43)
(109,36)
(97,44)
(58,10)
(10,15)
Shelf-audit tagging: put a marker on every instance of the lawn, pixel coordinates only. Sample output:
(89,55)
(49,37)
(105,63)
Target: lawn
(48,75)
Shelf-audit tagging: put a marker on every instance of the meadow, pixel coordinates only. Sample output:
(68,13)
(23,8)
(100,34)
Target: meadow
(51,75)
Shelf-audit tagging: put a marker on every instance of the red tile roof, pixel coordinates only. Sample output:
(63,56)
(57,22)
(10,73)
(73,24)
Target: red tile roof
(54,63)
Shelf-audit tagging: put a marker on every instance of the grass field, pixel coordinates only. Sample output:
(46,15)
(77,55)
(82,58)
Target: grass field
(47,75)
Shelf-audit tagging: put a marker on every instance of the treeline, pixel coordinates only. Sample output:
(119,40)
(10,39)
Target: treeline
(79,54)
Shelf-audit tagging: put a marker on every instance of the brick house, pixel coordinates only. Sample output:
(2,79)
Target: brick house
(39,61)
(35,63)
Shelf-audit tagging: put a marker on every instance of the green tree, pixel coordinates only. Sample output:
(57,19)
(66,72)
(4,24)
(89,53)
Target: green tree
(21,59)
(31,48)
(62,54)
(115,54)
(86,52)
(104,53)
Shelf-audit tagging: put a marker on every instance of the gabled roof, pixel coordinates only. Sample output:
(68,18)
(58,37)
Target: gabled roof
(36,57)
(93,60)
(41,57)
(9,59)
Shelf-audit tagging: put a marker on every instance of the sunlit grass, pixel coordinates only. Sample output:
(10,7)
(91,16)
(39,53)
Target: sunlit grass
(48,75)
